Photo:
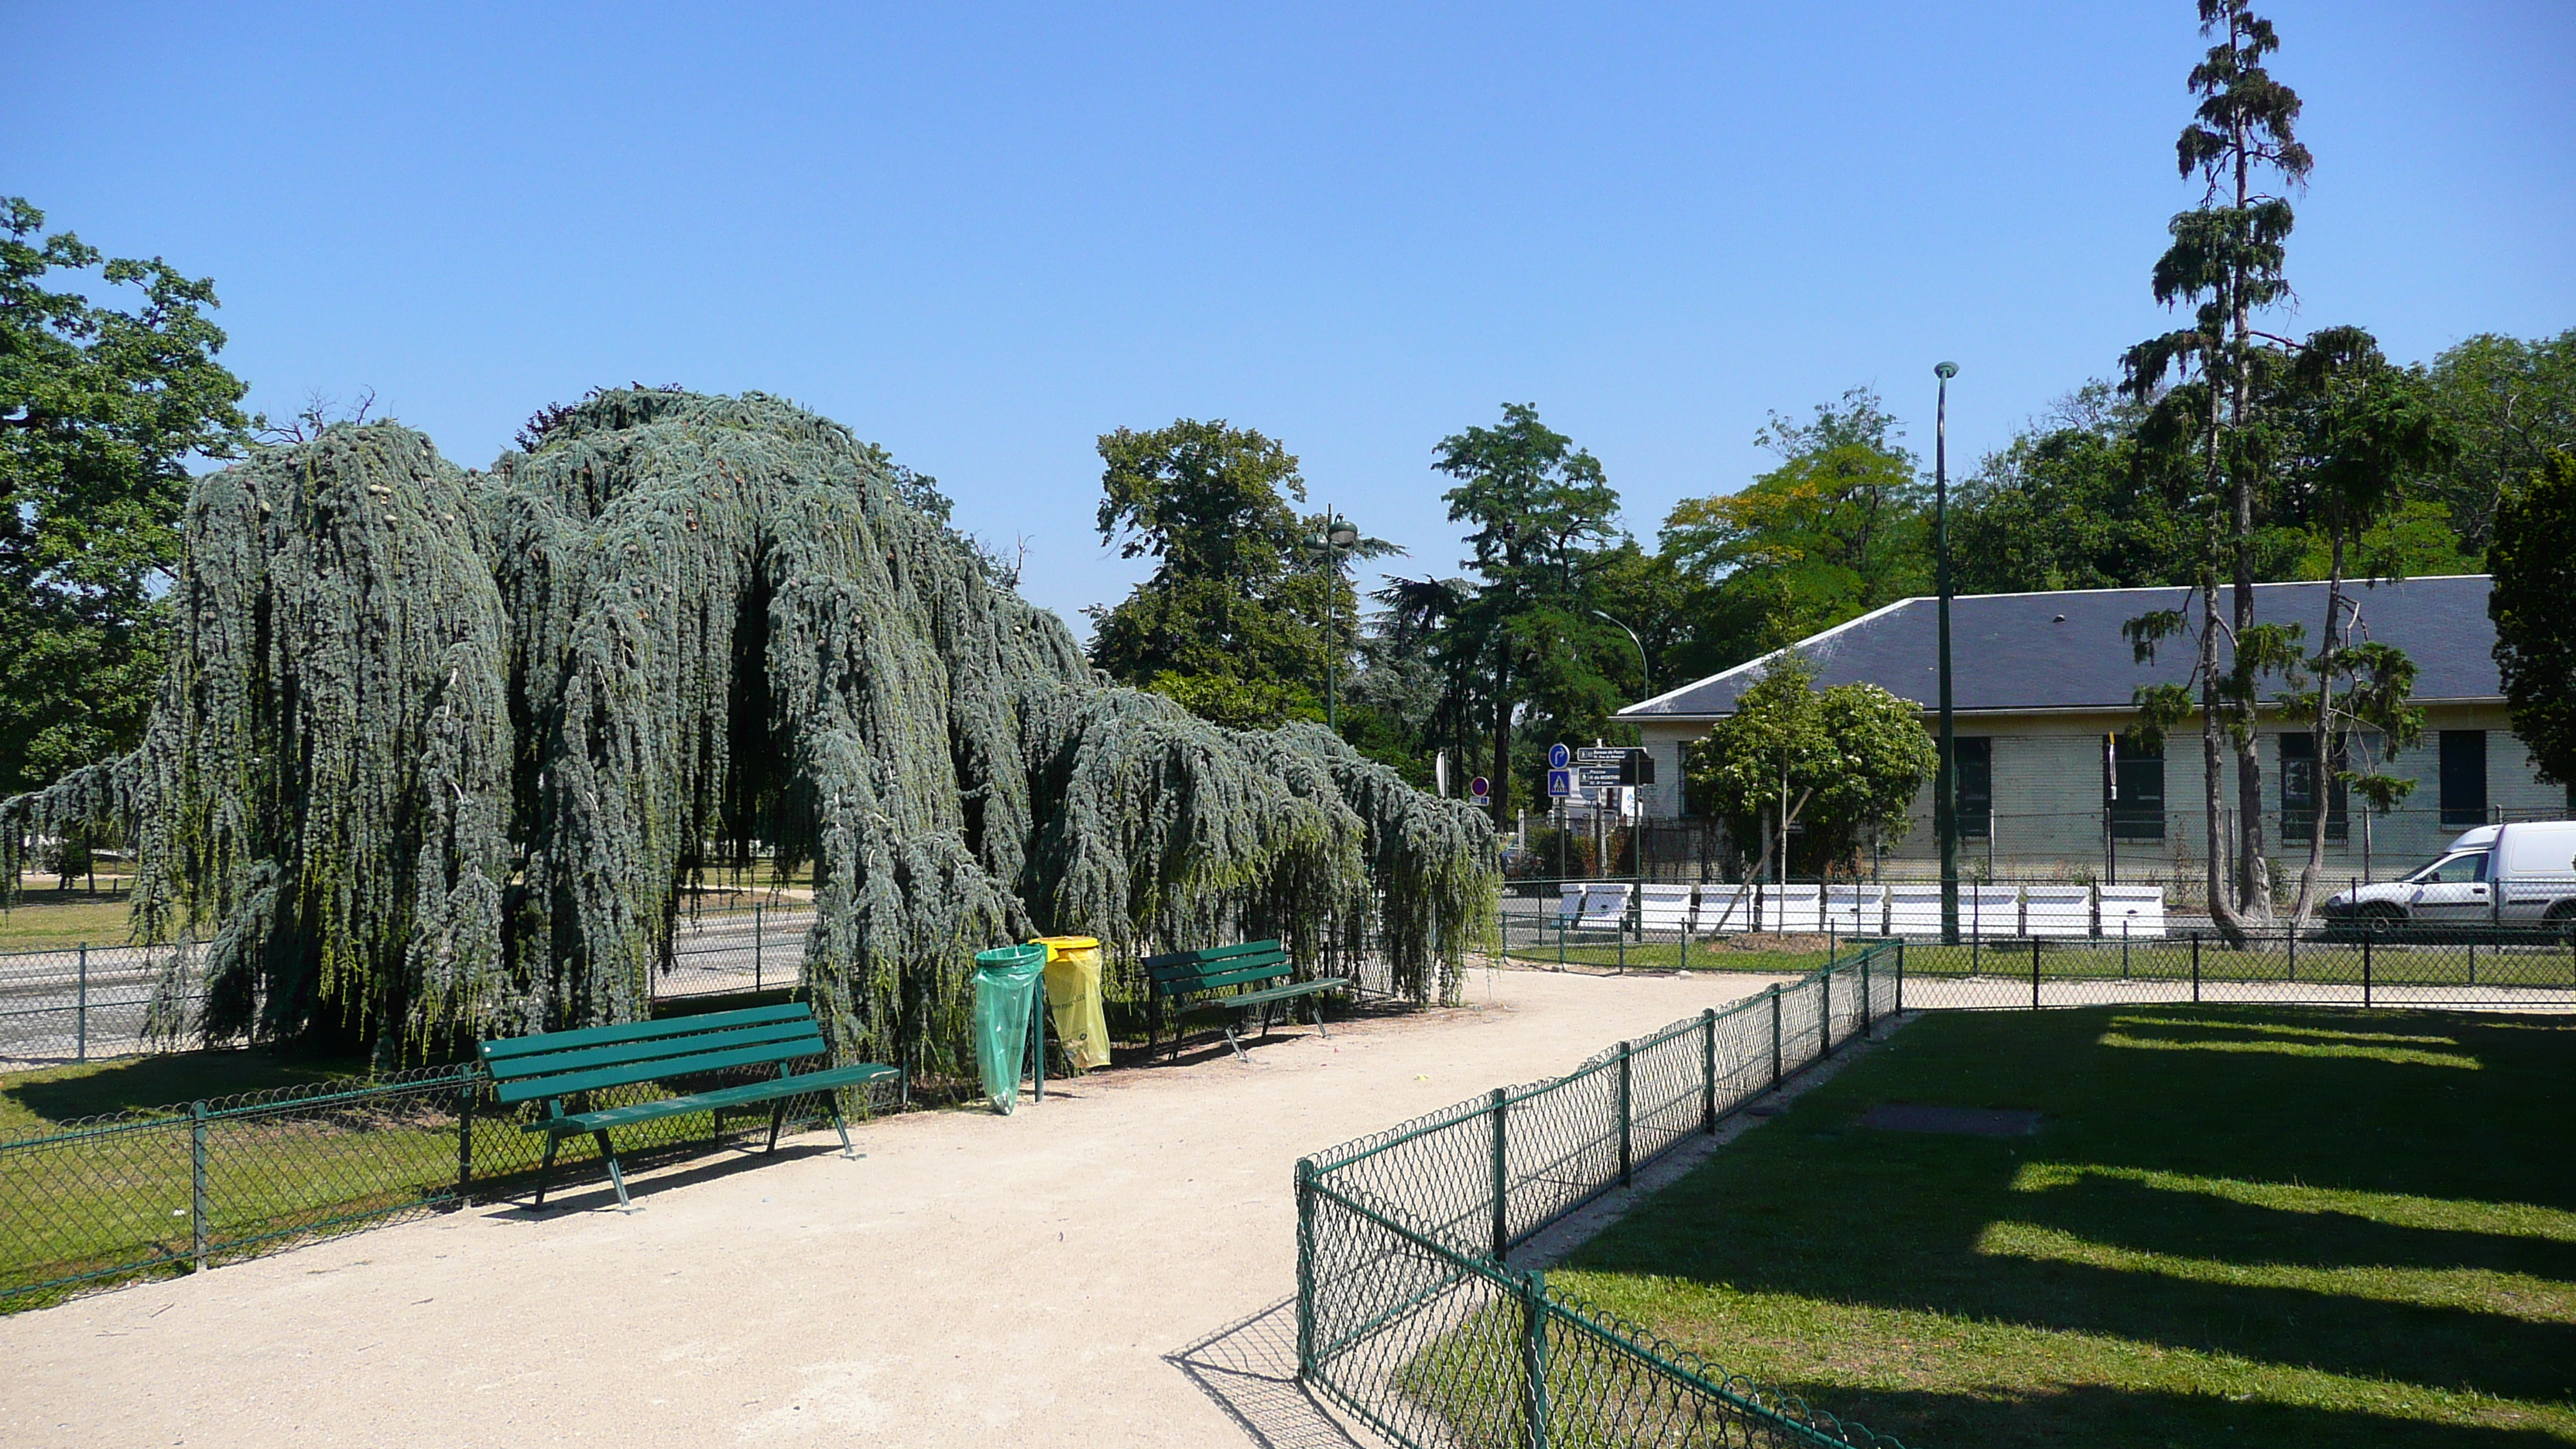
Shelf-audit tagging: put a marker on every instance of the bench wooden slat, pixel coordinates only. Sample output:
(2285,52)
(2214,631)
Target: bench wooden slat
(1212,954)
(1282,993)
(529,1088)
(743,1095)
(530,1064)
(590,1036)
(1188,985)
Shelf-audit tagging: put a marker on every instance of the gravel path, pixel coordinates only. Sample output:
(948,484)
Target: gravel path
(1102,1269)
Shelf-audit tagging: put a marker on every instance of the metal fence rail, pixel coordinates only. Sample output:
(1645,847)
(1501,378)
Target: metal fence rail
(2533,969)
(190,1186)
(1408,1313)
(91,1002)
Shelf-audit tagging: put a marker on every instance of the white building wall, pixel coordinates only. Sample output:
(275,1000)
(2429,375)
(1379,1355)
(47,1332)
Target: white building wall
(2048,802)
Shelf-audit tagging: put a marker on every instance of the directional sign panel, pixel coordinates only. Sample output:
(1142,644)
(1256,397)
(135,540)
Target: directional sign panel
(1599,777)
(1601,754)
(1558,756)
(1560,783)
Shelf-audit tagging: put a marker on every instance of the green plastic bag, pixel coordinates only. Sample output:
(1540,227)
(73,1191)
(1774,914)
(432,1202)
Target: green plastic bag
(1006,989)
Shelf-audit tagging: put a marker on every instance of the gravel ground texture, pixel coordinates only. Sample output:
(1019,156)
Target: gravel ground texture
(1104,1268)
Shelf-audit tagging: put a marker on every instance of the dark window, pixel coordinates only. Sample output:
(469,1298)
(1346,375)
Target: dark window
(2137,806)
(2299,782)
(2464,777)
(1974,760)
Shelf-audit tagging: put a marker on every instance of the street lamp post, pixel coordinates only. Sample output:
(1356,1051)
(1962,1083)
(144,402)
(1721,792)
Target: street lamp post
(1945,794)
(1333,545)
(1645,672)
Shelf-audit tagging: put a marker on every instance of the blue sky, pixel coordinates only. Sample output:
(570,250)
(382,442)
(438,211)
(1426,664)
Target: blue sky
(983,236)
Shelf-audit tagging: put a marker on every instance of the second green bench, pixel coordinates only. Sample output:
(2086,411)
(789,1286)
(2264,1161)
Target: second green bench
(1233,977)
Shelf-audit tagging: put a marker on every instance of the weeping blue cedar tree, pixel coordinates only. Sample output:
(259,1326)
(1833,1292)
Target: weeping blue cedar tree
(437,750)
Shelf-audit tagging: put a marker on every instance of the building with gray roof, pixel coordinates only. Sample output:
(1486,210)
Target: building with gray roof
(2043,681)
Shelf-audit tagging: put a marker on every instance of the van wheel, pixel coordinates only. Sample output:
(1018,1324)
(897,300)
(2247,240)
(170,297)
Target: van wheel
(2561,921)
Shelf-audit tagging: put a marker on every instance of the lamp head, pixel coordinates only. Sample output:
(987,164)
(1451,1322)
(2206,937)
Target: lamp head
(1945,370)
(1343,535)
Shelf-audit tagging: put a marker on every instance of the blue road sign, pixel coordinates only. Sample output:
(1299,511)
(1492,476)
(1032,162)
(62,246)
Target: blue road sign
(1558,757)
(1560,783)
(1480,787)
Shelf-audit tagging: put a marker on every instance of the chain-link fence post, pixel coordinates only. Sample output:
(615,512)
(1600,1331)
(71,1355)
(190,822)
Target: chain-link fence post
(755,946)
(1825,1012)
(2195,968)
(465,1140)
(1305,1268)
(2034,973)
(1502,1181)
(1775,1035)
(2365,970)
(1708,1069)
(1868,1027)
(197,1181)
(1899,1008)
(80,1021)
(1627,1118)
(1534,1356)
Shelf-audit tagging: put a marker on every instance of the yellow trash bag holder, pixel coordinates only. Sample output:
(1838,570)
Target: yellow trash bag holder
(1073,999)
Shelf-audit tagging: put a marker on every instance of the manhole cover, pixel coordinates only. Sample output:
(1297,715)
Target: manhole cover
(1971,1121)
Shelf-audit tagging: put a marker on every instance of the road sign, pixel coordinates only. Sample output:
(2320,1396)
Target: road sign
(1558,757)
(1601,754)
(1560,783)
(1599,777)
(1480,787)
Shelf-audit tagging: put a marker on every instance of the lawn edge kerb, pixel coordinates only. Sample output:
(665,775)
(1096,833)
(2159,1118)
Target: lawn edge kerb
(1411,1266)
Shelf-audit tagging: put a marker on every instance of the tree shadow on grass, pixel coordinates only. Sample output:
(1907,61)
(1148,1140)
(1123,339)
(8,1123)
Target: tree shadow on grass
(1813,1209)
(2095,1415)
(174,1078)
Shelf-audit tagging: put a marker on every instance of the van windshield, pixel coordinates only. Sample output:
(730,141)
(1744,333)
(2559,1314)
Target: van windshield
(2453,870)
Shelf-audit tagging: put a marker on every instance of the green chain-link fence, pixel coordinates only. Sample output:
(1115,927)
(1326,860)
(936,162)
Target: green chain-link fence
(1409,1313)
(186,1187)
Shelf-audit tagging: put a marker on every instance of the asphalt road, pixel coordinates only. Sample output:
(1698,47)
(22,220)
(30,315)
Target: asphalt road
(56,1007)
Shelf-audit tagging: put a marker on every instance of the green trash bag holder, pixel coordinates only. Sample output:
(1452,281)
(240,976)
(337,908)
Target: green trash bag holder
(999,974)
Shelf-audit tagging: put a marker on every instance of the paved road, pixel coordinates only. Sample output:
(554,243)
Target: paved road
(53,1004)
(56,1007)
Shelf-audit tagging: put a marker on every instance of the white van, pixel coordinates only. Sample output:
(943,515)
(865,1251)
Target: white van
(2508,875)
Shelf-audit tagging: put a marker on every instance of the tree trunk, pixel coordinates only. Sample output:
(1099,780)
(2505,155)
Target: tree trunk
(2222,907)
(2319,728)
(1502,732)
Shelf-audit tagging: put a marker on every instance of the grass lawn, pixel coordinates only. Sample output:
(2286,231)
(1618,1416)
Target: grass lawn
(2234,1225)
(36,1101)
(117,1202)
(45,919)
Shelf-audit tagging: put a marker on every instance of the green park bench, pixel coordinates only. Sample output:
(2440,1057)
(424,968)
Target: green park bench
(554,1065)
(1232,977)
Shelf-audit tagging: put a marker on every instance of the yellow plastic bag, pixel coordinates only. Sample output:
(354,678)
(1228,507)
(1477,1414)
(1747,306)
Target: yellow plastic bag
(1073,998)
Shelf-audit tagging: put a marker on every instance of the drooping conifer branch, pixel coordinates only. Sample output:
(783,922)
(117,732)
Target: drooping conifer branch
(438,752)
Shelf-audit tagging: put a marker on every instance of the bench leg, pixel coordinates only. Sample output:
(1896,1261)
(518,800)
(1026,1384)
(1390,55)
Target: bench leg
(1232,1042)
(616,1175)
(833,1099)
(546,1168)
(1317,1001)
(777,1117)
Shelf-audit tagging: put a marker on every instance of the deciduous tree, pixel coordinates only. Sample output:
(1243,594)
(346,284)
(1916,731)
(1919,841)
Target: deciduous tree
(108,387)
(2535,581)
